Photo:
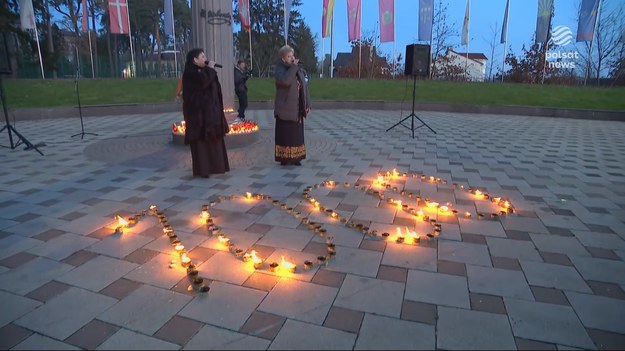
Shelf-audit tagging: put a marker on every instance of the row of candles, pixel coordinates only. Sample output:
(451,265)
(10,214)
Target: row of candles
(185,261)
(384,181)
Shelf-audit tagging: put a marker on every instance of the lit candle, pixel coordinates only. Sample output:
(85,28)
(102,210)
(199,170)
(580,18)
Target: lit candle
(273,266)
(467,215)
(224,240)
(248,195)
(185,260)
(288,266)
(257,261)
(179,248)
(478,194)
(400,236)
(380,180)
(308,265)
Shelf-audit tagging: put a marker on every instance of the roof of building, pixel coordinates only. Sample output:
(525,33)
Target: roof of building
(472,55)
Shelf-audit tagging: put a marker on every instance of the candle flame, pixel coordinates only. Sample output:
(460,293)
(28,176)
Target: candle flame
(467,214)
(380,179)
(179,247)
(432,204)
(255,258)
(479,194)
(398,202)
(287,265)
(399,233)
(205,214)
(185,259)
(395,173)
(506,204)
(121,221)
(223,240)
(248,195)
(432,179)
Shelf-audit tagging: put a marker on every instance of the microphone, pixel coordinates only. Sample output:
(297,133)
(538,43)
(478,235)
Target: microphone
(217,65)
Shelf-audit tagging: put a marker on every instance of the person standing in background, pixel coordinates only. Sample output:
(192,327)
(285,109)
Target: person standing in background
(291,106)
(204,116)
(240,87)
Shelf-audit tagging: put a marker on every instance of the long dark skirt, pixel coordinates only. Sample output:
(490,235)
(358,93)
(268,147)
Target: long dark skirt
(209,157)
(290,146)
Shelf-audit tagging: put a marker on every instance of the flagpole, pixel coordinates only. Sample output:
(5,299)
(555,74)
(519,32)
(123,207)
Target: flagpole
(91,53)
(286,41)
(173,32)
(505,44)
(360,41)
(323,58)
(431,38)
(43,75)
(592,40)
(132,53)
(332,48)
(249,34)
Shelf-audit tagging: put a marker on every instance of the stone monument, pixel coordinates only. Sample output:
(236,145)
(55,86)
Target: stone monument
(211,30)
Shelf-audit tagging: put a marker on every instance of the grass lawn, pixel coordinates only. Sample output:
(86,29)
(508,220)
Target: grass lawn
(54,93)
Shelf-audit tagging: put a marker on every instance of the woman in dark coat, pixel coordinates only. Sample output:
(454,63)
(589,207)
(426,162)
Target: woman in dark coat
(204,115)
(291,105)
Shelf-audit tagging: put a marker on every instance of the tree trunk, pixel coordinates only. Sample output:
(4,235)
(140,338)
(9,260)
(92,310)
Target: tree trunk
(158,48)
(50,41)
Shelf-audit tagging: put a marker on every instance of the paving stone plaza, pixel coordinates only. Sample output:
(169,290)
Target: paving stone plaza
(551,275)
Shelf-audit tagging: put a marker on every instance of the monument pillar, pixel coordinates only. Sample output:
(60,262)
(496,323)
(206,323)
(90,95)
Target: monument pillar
(211,30)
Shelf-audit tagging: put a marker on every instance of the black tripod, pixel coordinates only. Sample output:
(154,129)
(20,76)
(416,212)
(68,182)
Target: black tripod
(82,125)
(11,129)
(412,116)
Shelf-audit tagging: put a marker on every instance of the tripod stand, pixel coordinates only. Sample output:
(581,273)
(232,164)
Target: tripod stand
(412,116)
(11,129)
(82,125)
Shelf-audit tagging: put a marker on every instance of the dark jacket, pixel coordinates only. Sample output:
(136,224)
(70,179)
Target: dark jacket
(290,103)
(203,105)
(239,80)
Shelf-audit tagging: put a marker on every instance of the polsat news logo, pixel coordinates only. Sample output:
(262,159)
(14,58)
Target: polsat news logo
(561,36)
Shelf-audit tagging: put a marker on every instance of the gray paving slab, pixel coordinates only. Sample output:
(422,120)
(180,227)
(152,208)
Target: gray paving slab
(146,309)
(296,335)
(40,342)
(13,244)
(600,240)
(500,282)
(554,276)
(125,339)
(517,249)
(97,273)
(213,338)
(224,267)
(472,330)
(287,238)
(14,306)
(559,244)
(598,312)
(486,228)
(32,275)
(226,305)
(62,246)
(299,300)
(547,322)
(356,261)
(384,333)
(464,252)
(51,319)
(371,295)
(600,269)
(159,271)
(410,256)
(437,289)
(120,245)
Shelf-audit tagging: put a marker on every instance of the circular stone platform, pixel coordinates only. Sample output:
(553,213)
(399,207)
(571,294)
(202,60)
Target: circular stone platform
(233,141)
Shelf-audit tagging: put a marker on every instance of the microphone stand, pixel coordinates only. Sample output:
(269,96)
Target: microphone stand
(82,125)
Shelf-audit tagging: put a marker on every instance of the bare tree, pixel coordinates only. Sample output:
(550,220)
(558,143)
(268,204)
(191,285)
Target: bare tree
(493,43)
(442,32)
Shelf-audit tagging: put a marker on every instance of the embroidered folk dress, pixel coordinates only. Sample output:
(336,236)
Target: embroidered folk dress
(291,103)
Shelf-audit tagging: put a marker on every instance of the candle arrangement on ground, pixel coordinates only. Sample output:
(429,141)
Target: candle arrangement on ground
(422,210)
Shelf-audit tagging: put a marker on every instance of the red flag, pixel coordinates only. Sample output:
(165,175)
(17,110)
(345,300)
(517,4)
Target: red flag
(354,10)
(326,18)
(244,14)
(85,19)
(118,13)
(387,20)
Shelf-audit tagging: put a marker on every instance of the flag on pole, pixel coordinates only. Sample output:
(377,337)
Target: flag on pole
(354,11)
(85,18)
(504,28)
(426,10)
(465,26)
(326,18)
(543,19)
(244,14)
(287,16)
(27,15)
(118,14)
(169,17)
(387,20)
(587,20)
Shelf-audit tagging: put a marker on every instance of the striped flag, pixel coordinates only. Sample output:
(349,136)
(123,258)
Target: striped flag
(354,12)
(326,18)
(244,14)
(465,26)
(169,17)
(426,10)
(85,18)
(543,20)
(287,16)
(27,15)
(587,20)
(118,14)
(387,20)
(504,28)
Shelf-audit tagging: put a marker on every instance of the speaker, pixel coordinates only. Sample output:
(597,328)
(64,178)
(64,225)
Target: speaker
(417,60)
